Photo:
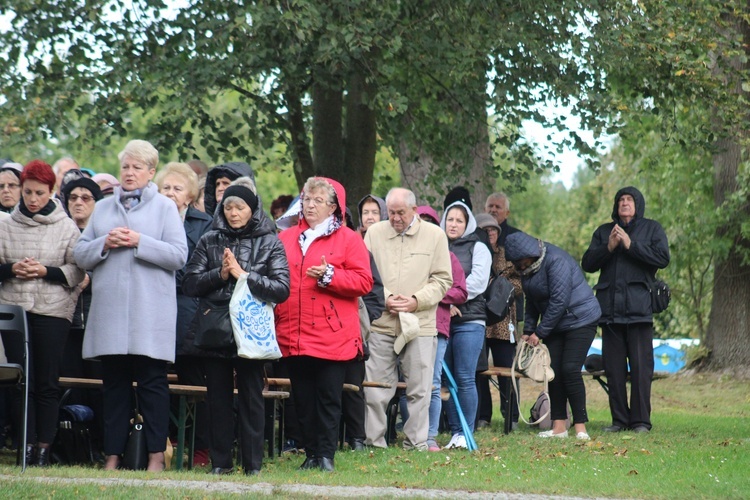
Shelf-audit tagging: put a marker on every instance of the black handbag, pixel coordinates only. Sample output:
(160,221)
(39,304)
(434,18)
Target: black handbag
(212,325)
(499,298)
(660,296)
(136,453)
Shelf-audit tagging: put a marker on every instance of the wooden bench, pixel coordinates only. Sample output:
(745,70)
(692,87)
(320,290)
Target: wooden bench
(188,395)
(502,371)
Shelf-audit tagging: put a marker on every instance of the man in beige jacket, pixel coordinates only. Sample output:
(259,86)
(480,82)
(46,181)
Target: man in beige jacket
(414,263)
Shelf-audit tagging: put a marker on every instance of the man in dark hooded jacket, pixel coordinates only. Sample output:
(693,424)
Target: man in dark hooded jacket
(628,251)
(218,180)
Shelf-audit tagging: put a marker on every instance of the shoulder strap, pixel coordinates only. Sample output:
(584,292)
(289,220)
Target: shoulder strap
(514,381)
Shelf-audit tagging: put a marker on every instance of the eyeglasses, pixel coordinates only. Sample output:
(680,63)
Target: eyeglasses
(315,201)
(84,198)
(10,185)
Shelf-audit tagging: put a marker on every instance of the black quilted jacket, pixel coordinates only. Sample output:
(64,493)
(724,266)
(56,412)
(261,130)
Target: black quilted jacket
(256,248)
(557,293)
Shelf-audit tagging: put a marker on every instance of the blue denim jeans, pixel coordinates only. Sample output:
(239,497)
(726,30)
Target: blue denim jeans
(461,356)
(436,404)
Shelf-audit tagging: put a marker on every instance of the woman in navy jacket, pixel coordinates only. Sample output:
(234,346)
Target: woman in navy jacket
(556,290)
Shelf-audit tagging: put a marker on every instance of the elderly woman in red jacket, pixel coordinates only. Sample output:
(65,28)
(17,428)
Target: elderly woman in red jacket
(318,327)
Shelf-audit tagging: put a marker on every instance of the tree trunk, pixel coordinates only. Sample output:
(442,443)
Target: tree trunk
(303,161)
(728,337)
(470,167)
(361,141)
(328,139)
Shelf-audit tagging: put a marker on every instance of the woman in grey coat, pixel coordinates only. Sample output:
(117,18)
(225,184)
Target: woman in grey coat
(557,292)
(134,243)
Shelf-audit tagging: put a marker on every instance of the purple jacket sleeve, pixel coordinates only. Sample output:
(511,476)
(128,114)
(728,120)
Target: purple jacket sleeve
(457,293)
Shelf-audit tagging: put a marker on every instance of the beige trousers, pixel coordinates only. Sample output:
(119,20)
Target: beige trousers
(417,364)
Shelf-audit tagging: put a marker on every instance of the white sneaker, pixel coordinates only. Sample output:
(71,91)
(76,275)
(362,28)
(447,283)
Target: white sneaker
(551,434)
(457,441)
(583,436)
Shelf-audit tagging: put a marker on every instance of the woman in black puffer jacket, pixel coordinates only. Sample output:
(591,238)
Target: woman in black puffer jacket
(561,310)
(243,240)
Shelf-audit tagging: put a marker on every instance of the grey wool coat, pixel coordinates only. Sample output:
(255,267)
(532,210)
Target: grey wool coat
(134,304)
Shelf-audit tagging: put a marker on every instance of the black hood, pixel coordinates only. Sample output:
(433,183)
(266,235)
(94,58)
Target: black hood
(232,170)
(640,203)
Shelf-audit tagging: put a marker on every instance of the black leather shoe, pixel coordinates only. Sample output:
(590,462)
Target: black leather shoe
(42,457)
(641,429)
(326,464)
(252,472)
(30,455)
(613,428)
(357,444)
(222,470)
(309,463)
(481,424)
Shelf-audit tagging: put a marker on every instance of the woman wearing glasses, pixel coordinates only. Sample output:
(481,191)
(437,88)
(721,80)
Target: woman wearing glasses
(318,326)
(10,186)
(556,290)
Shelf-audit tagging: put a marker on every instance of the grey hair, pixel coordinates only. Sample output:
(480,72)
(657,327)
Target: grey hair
(142,151)
(56,166)
(500,196)
(244,182)
(182,170)
(318,183)
(409,198)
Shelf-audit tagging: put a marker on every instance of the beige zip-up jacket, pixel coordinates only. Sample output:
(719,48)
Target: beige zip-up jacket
(416,263)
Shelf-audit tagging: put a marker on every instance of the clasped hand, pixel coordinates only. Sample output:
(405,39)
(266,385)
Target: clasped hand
(230,266)
(122,237)
(29,269)
(617,237)
(400,303)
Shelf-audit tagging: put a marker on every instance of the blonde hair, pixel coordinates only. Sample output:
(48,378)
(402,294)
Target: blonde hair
(182,170)
(142,151)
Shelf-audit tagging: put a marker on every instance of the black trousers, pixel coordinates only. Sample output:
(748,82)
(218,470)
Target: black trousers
(190,371)
(503,353)
(292,431)
(220,382)
(353,403)
(118,374)
(317,385)
(623,344)
(47,337)
(567,351)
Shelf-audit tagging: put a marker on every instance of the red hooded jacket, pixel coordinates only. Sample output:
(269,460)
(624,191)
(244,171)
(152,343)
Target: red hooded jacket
(323,322)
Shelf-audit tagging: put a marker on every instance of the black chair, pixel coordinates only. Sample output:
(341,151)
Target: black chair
(15,337)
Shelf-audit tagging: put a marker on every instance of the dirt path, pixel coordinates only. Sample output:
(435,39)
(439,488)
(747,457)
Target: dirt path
(267,489)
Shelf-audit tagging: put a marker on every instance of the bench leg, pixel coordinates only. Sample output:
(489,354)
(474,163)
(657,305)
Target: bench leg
(181,423)
(510,390)
(391,413)
(272,431)
(192,413)
(602,383)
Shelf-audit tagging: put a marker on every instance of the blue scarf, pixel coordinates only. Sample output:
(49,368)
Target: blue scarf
(130,199)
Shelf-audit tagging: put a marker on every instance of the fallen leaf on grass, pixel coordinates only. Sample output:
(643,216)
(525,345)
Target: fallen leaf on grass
(645,451)
(621,453)
(633,473)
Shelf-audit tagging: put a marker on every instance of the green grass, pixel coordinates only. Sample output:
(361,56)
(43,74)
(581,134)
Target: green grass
(699,447)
